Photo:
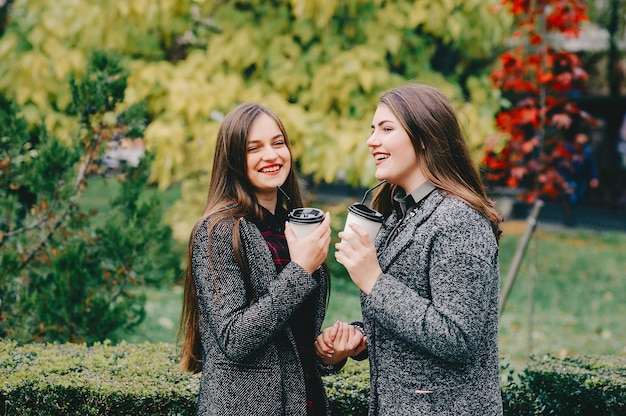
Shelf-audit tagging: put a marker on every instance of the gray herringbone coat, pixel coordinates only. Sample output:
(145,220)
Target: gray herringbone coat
(250,361)
(432,317)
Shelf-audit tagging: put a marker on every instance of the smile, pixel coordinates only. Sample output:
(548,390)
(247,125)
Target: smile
(381,156)
(270,169)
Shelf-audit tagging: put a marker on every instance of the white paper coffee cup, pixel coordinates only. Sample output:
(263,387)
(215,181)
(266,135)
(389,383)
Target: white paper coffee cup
(365,217)
(304,220)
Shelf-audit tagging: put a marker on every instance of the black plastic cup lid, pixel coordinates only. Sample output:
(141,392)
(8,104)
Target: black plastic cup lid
(366,212)
(306,215)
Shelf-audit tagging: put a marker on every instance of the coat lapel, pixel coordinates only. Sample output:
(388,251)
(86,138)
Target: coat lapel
(262,268)
(404,235)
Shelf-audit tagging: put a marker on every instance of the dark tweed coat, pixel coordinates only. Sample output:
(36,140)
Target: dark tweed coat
(432,317)
(250,361)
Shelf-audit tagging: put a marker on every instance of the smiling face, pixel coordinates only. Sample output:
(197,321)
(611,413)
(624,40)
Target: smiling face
(268,160)
(393,151)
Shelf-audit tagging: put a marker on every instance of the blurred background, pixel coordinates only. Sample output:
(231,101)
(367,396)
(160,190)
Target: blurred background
(109,112)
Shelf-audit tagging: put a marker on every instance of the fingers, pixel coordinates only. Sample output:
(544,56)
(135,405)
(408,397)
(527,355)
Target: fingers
(361,347)
(321,348)
(289,235)
(355,340)
(357,254)
(343,335)
(357,236)
(353,243)
(330,334)
(363,235)
(310,251)
(347,341)
(324,342)
(323,229)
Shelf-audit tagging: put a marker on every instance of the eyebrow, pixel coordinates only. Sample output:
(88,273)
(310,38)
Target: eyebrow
(380,123)
(278,136)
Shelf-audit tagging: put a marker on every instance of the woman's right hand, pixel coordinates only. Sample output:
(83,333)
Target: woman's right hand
(310,251)
(339,341)
(357,253)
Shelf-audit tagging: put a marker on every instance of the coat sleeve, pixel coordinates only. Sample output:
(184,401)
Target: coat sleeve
(451,322)
(241,329)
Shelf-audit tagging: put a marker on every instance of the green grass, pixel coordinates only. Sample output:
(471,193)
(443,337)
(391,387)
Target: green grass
(344,304)
(579,292)
(162,317)
(100,191)
(578,297)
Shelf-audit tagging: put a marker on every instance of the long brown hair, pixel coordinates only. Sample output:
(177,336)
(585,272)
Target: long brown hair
(442,153)
(231,196)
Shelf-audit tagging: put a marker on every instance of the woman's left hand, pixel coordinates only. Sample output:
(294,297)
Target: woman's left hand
(338,342)
(358,255)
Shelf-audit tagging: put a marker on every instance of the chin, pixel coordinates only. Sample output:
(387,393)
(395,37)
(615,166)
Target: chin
(380,176)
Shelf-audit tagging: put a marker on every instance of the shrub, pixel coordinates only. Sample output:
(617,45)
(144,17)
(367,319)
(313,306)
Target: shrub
(584,385)
(64,277)
(348,391)
(64,379)
(144,379)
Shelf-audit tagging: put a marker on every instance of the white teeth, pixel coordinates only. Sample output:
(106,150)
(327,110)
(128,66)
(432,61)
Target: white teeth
(382,157)
(272,169)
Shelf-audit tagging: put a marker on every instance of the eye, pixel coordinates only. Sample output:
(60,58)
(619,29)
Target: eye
(252,148)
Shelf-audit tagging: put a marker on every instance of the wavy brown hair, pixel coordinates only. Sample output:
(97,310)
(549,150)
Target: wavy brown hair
(231,197)
(432,125)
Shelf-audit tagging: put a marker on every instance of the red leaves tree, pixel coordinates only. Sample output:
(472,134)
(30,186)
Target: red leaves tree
(533,148)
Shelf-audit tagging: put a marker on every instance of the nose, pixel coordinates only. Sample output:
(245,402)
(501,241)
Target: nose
(373,140)
(269,153)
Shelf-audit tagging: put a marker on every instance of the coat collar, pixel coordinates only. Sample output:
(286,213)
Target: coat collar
(406,203)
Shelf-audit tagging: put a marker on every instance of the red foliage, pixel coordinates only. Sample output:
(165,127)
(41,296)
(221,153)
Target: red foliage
(533,132)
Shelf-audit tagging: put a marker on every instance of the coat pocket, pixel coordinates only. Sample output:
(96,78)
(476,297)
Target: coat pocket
(420,400)
(443,402)
(246,390)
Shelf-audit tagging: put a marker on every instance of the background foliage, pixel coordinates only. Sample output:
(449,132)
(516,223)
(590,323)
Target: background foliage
(534,149)
(143,379)
(63,277)
(319,64)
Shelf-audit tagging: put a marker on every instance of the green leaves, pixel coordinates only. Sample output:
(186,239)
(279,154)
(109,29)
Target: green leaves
(102,87)
(321,65)
(65,275)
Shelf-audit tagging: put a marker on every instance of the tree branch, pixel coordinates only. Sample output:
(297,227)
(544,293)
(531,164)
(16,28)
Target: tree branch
(80,178)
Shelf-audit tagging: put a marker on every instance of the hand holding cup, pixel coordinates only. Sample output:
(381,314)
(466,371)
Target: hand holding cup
(311,248)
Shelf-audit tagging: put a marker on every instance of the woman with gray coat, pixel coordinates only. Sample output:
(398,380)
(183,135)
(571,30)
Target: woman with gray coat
(255,294)
(430,280)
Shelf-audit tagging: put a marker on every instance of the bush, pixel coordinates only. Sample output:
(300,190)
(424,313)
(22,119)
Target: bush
(144,379)
(72,379)
(348,391)
(125,379)
(64,277)
(585,385)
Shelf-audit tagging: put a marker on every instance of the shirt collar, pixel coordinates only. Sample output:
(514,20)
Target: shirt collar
(406,203)
(270,221)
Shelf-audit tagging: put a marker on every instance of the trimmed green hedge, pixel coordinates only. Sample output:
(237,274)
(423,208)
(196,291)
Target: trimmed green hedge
(66,379)
(125,379)
(144,379)
(584,385)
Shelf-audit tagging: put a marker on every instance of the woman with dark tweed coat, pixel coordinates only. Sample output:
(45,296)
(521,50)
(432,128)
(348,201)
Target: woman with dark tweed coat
(429,282)
(255,295)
